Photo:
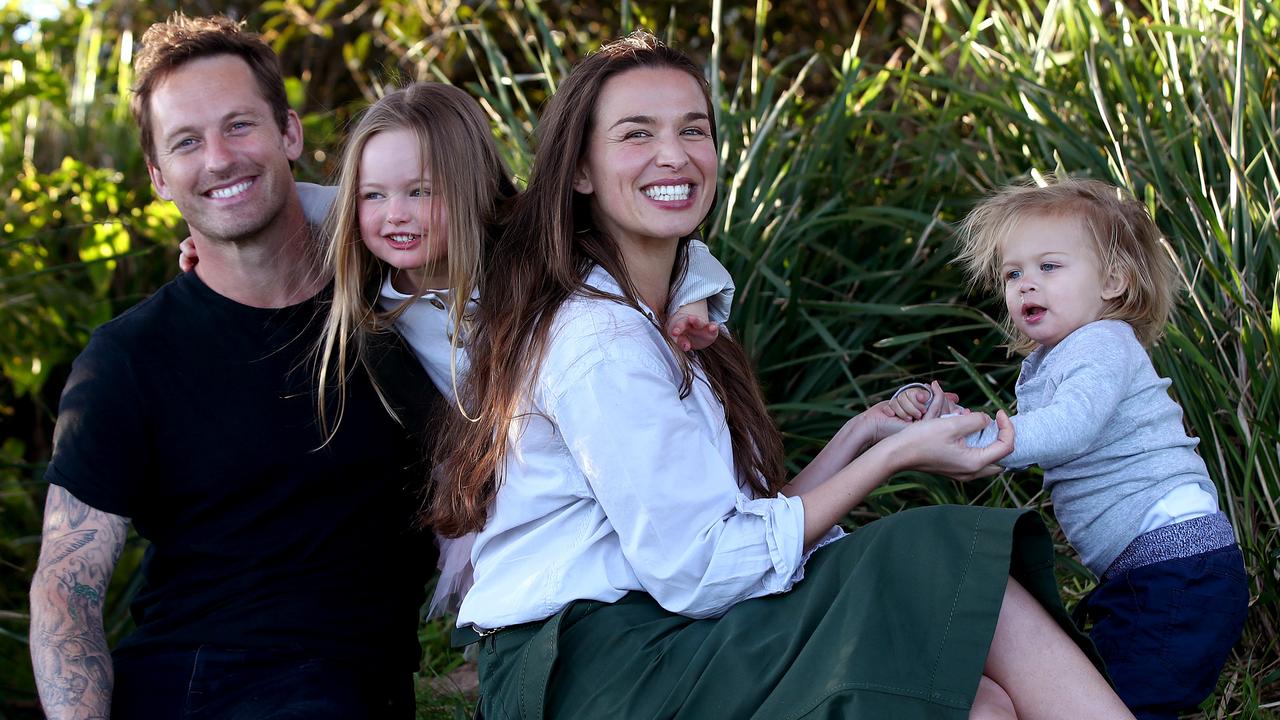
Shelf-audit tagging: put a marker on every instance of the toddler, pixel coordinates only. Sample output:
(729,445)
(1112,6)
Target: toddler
(1086,286)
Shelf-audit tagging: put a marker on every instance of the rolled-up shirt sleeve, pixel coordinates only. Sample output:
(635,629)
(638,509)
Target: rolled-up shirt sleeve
(696,542)
(705,279)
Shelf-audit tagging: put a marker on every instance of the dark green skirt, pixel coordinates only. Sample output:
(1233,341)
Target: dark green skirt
(893,621)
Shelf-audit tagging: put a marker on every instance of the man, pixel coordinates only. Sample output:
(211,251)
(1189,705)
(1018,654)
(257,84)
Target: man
(283,577)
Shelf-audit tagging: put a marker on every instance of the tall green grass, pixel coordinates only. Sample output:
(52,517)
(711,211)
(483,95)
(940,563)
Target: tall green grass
(841,176)
(835,214)
(1179,105)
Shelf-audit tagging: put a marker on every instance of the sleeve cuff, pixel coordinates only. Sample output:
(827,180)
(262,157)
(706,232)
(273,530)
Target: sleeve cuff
(784,536)
(705,279)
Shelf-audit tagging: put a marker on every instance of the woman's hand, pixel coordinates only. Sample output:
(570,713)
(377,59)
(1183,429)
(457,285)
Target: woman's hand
(937,445)
(880,421)
(187,257)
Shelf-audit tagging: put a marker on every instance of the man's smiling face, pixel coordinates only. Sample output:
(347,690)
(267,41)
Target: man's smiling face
(220,155)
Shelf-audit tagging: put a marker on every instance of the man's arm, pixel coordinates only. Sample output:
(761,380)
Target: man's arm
(79,550)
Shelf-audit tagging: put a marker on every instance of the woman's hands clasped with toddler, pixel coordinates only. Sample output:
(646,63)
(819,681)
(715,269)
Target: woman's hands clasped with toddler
(938,446)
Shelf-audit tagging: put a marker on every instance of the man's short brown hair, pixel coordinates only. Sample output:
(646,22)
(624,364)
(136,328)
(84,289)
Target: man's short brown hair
(166,46)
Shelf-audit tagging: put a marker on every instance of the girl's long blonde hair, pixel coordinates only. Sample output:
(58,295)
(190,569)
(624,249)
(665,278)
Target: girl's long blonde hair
(469,184)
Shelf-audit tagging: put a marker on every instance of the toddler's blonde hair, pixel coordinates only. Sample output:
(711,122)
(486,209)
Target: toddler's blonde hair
(1125,239)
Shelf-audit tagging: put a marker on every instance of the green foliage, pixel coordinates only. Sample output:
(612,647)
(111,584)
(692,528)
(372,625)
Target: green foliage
(848,145)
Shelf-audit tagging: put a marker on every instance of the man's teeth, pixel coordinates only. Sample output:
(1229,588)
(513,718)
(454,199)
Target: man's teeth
(231,191)
(668,192)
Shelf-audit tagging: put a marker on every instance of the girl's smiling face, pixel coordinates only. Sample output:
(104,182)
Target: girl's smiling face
(1054,283)
(401,223)
(650,164)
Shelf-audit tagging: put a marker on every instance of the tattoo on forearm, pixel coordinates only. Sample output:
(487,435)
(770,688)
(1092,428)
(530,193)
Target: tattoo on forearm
(72,542)
(76,512)
(69,650)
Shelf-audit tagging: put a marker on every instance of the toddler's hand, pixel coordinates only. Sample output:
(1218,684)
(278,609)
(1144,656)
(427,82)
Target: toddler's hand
(911,402)
(187,257)
(691,332)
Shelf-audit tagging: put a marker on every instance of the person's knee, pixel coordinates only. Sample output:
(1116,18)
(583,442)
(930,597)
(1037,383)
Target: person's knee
(992,702)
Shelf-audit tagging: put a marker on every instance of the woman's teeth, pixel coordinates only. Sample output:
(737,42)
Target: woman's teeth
(668,192)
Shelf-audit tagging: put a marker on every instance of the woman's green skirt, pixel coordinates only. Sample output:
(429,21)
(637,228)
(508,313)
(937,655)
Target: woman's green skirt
(893,621)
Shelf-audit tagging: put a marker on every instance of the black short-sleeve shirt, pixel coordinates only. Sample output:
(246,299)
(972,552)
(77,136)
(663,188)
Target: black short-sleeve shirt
(196,417)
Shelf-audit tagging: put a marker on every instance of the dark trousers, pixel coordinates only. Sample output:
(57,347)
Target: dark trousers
(1165,630)
(209,683)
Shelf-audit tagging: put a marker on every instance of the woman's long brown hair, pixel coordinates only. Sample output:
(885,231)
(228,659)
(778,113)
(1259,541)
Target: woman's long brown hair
(542,258)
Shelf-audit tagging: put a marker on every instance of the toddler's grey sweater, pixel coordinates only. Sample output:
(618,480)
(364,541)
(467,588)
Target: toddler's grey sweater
(1095,416)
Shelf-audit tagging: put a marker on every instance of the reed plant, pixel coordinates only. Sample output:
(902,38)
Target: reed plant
(843,173)
(1177,102)
(836,210)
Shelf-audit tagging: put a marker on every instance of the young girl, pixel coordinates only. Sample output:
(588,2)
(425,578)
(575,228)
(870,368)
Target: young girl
(419,189)
(641,553)
(1087,285)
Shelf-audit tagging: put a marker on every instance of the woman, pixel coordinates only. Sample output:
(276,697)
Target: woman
(640,551)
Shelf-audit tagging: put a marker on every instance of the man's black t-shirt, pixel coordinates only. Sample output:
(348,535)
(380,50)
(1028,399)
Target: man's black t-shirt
(195,416)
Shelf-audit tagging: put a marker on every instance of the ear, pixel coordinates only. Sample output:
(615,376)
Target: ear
(292,137)
(157,181)
(1114,286)
(582,180)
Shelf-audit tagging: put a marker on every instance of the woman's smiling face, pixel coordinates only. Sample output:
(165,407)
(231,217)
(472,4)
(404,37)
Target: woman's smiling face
(650,165)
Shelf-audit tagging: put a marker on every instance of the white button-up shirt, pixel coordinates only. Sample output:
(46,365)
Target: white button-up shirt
(614,483)
(426,326)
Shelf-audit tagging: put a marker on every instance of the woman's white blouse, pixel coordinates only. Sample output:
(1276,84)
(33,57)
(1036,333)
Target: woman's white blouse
(614,483)
(426,326)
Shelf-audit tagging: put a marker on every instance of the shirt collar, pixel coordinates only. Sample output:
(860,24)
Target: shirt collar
(601,280)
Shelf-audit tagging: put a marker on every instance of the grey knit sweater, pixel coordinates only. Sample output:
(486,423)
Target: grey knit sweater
(1095,416)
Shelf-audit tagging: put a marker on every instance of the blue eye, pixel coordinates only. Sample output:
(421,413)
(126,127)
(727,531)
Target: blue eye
(1048,267)
(1013,274)
(371,196)
(636,134)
